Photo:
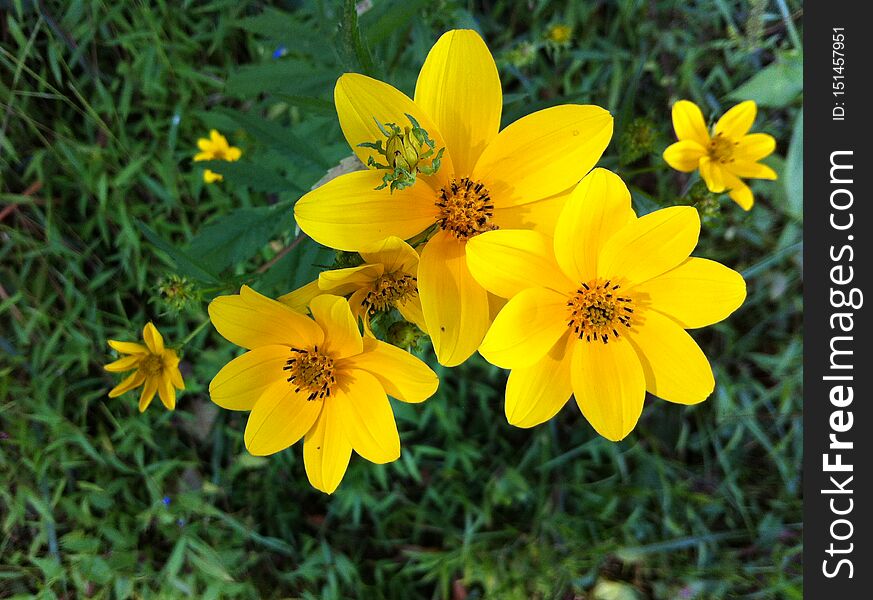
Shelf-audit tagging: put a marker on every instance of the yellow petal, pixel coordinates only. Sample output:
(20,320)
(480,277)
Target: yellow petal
(348,213)
(684,155)
(697,293)
(211,176)
(402,375)
(153,338)
(736,122)
(167,392)
(127,347)
(204,144)
(713,174)
(526,328)
(341,335)
(149,389)
(541,216)
(459,88)
(536,393)
(176,378)
(362,101)
(598,207)
(367,417)
(240,383)
(251,320)
(299,299)
(739,191)
(507,261)
(650,245)
(395,255)
(455,306)
(124,364)
(326,450)
(340,282)
(280,418)
(753,170)
(134,380)
(203,156)
(754,147)
(233,153)
(217,139)
(544,153)
(411,310)
(674,365)
(688,122)
(609,386)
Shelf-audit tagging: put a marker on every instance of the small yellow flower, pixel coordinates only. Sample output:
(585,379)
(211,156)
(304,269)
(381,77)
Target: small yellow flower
(157,369)
(215,147)
(387,279)
(560,34)
(726,156)
(600,311)
(488,178)
(316,379)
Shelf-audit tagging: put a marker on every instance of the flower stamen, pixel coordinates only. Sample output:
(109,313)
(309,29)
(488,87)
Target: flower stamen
(152,365)
(389,290)
(598,311)
(465,208)
(311,371)
(721,149)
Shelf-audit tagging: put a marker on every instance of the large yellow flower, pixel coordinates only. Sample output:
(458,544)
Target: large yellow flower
(215,147)
(316,378)
(730,153)
(156,369)
(601,310)
(387,279)
(489,179)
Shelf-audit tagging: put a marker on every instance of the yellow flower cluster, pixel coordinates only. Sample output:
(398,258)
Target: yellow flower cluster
(509,242)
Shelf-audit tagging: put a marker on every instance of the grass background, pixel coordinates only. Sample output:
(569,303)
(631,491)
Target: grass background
(101,104)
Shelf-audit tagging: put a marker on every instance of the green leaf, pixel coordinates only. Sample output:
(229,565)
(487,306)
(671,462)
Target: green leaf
(250,175)
(357,54)
(313,104)
(185,264)
(776,86)
(793,175)
(291,76)
(298,267)
(236,236)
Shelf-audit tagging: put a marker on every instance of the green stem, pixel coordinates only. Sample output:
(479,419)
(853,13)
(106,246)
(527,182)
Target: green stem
(195,332)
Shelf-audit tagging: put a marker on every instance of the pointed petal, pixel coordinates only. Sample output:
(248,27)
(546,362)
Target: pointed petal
(153,338)
(149,389)
(395,255)
(536,393)
(205,145)
(544,153)
(650,245)
(251,320)
(526,328)
(754,147)
(233,153)
(124,364)
(541,216)
(362,101)
(341,335)
(367,417)
(713,174)
(455,306)
(697,293)
(675,367)
(326,450)
(752,170)
(240,383)
(684,155)
(459,88)
(598,207)
(279,419)
(132,381)
(127,347)
(737,121)
(688,122)
(739,191)
(176,378)
(167,392)
(411,311)
(299,299)
(507,261)
(402,375)
(340,282)
(609,386)
(348,213)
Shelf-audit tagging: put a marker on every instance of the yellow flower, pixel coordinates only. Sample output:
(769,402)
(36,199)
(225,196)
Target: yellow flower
(560,33)
(730,153)
(600,311)
(316,379)
(215,147)
(387,279)
(515,178)
(157,369)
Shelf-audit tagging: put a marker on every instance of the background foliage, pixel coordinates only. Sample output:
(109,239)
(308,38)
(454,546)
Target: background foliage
(100,107)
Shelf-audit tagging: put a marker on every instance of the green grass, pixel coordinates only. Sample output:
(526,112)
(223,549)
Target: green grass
(101,104)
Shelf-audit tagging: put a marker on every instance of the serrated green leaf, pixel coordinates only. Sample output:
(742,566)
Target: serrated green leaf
(185,264)
(277,136)
(250,175)
(298,267)
(291,76)
(236,236)
(776,86)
